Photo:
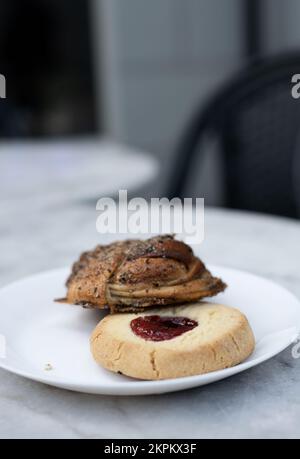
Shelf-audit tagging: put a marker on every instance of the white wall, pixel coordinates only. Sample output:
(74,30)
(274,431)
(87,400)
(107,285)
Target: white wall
(168,56)
(282,18)
(162,58)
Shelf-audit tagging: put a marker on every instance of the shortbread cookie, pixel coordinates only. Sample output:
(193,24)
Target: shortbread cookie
(173,342)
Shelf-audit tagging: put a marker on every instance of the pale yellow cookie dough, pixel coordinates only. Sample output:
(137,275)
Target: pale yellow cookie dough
(222,339)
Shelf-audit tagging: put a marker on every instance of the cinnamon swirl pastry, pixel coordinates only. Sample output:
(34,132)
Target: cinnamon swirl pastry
(135,274)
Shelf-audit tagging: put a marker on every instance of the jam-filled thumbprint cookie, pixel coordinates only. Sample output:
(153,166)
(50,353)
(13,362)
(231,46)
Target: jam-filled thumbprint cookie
(173,342)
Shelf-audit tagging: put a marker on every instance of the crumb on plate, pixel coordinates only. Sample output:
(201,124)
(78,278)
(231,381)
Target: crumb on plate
(48,367)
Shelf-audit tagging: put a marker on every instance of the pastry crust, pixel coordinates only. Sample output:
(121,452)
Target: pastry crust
(222,339)
(133,275)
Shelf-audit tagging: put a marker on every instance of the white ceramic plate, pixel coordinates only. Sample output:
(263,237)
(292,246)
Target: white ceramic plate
(40,332)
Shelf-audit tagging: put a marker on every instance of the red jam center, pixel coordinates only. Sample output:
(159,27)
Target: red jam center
(161,328)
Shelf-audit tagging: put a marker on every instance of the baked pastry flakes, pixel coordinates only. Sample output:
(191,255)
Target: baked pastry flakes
(132,275)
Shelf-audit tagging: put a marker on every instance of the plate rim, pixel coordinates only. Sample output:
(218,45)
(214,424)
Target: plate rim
(138,387)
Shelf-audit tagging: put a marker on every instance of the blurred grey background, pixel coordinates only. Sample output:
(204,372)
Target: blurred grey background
(167,57)
(134,70)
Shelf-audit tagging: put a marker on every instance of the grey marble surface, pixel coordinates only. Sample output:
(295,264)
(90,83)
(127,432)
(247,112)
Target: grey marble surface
(262,402)
(72,167)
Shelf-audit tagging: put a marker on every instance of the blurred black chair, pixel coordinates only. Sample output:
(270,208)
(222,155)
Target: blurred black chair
(256,121)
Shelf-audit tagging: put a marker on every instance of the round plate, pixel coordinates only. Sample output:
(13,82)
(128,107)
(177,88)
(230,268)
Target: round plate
(40,332)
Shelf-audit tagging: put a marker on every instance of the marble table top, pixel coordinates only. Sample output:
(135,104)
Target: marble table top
(261,402)
(77,168)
